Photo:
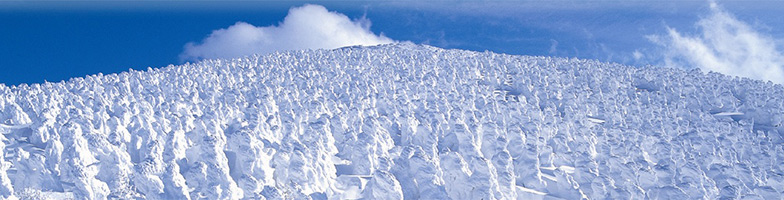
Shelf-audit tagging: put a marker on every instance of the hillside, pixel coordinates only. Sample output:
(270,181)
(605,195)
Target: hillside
(394,121)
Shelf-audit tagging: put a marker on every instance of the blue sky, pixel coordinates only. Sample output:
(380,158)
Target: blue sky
(57,40)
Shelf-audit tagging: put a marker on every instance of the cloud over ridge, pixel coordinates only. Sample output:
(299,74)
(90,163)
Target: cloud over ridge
(725,45)
(307,27)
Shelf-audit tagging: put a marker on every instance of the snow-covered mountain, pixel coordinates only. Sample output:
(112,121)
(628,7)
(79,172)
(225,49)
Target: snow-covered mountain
(390,122)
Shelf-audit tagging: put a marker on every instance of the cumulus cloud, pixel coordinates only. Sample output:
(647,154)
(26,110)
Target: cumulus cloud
(306,27)
(725,45)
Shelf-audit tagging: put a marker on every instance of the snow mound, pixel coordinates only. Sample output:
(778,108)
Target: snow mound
(391,122)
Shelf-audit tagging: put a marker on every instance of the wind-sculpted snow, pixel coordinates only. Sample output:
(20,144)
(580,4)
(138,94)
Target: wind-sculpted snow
(390,122)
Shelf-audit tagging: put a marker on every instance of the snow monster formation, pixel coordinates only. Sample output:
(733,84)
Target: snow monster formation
(397,121)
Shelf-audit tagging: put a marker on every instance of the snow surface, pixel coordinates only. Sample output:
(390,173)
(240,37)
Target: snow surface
(390,122)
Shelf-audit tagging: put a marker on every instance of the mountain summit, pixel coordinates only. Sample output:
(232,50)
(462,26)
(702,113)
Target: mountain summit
(390,122)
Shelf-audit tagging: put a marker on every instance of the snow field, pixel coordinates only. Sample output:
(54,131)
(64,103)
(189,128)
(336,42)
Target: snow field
(390,122)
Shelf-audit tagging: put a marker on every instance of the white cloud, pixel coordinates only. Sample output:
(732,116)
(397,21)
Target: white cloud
(637,55)
(306,27)
(725,45)
(553,46)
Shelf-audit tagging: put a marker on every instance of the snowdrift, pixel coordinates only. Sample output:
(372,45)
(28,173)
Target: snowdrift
(391,122)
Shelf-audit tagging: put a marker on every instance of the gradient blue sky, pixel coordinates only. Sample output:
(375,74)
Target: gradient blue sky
(56,40)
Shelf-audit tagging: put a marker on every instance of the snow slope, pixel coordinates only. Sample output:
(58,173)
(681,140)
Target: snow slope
(390,122)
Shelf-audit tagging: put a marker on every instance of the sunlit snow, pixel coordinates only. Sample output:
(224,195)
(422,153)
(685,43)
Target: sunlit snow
(390,122)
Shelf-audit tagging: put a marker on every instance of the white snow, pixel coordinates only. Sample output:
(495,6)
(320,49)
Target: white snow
(390,122)
(728,114)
